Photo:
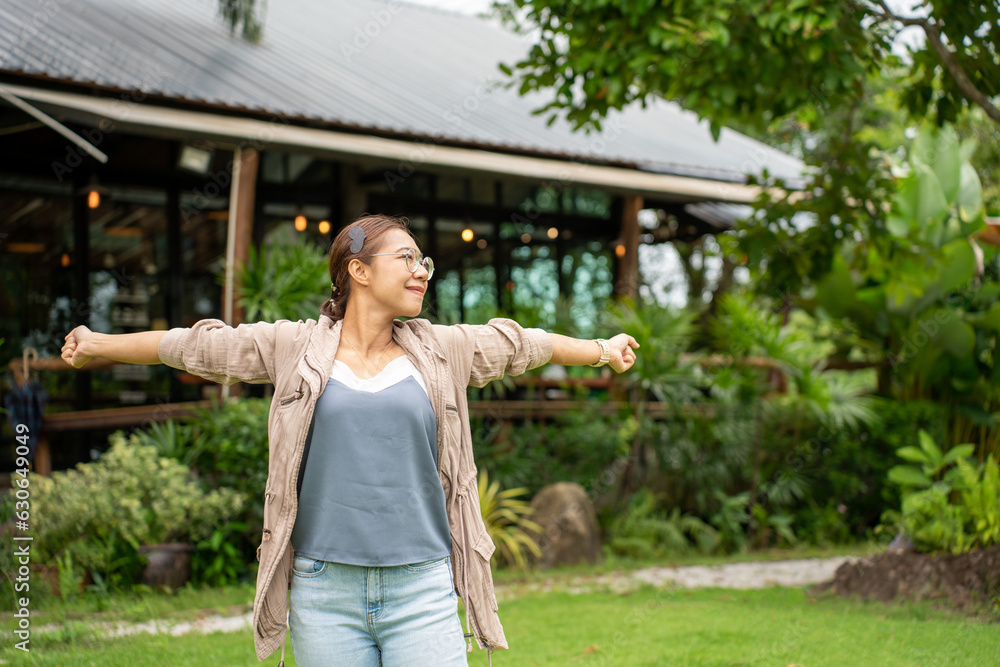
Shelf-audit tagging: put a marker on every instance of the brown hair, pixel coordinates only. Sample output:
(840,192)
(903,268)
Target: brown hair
(375,227)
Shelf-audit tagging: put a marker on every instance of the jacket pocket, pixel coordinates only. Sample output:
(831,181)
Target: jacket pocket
(484,547)
(267,622)
(299,393)
(274,605)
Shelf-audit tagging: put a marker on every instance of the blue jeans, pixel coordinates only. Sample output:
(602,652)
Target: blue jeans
(361,616)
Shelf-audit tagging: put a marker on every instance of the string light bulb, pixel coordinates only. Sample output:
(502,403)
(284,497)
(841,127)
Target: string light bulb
(324,226)
(300,223)
(93,199)
(467,234)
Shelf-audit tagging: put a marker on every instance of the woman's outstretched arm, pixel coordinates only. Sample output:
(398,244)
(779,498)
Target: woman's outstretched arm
(580,352)
(82,345)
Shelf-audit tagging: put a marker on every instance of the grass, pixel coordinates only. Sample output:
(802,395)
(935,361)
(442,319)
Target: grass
(651,626)
(185,603)
(190,603)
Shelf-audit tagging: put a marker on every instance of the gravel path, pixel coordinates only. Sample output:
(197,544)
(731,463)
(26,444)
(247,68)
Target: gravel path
(734,575)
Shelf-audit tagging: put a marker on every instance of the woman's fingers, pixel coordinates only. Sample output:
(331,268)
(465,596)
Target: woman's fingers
(71,348)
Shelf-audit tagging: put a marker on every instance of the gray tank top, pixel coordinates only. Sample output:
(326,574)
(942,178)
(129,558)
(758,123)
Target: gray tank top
(369,491)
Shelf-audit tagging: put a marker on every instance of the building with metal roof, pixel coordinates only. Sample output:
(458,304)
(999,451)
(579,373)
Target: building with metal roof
(143,147)
(386,69)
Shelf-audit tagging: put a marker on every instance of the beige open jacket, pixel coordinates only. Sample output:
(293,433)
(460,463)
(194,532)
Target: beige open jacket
(297,358)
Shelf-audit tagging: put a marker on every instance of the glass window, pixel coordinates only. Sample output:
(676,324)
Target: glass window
(128,287)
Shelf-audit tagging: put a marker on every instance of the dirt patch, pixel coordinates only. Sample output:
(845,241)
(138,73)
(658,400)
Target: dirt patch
(970,581)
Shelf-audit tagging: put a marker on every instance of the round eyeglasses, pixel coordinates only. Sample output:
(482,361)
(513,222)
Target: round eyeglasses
(413,260)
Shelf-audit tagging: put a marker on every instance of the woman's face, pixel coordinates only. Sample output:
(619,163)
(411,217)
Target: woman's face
(400,291)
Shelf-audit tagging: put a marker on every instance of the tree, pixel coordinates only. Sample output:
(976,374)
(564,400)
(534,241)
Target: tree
(748,60)
(243,15)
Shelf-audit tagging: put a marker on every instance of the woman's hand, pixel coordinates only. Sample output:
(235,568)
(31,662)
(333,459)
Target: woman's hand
(622,356)
(77,347)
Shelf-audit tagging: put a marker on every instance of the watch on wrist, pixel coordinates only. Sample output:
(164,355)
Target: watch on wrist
(605,353)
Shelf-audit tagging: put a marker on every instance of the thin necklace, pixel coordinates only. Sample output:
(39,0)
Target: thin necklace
(370,374)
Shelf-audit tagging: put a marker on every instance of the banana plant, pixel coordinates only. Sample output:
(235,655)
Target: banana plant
(931,464)
(920,299)
(950,503)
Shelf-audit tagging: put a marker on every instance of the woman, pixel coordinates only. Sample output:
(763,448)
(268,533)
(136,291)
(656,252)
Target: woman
(371,510)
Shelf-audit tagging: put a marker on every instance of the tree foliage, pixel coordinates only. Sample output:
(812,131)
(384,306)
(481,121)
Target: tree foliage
(245,16)
(748,60)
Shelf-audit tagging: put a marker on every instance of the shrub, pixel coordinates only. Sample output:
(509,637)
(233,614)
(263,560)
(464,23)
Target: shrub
(101,512)
(642,532)
(506,522)
(227,446)
(950,502)
(577,446)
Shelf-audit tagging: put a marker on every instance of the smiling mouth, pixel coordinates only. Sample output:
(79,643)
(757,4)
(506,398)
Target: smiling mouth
(416,290)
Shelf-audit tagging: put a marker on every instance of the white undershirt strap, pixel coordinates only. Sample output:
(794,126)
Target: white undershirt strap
(392,373)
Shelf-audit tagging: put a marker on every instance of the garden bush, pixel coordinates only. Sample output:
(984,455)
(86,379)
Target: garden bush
(950,502)
(96,515)
(227,446)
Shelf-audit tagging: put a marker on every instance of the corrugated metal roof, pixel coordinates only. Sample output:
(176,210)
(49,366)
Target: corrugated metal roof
(720,216)
(388,68)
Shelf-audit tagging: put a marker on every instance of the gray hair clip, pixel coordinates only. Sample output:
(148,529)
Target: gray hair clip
(358,236)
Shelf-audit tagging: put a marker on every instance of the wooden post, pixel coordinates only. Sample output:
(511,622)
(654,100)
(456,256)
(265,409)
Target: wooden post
(245,207)
(432,245)
(238,236)
(499,259)
(627,283)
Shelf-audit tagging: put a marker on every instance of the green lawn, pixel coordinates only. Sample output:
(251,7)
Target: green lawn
(649,627)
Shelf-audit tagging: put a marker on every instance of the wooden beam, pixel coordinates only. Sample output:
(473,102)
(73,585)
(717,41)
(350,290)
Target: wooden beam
(245,207)
(238,236)
(580,224)
(555,408)
(627,283)
(500,269)
(133,415)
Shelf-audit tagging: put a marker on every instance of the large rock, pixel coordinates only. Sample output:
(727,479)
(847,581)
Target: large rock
(567,516)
